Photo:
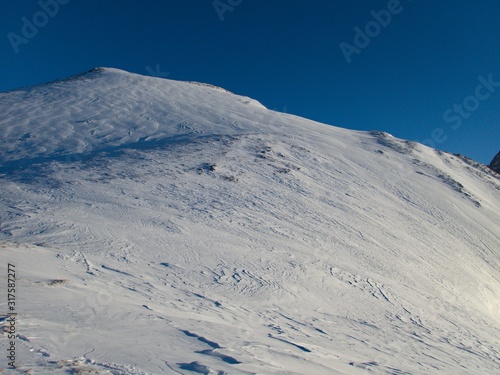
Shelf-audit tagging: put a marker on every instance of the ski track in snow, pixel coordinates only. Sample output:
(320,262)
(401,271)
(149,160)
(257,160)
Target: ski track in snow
(163,227)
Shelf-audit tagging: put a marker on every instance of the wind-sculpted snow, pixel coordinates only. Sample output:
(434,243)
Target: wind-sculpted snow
(89,113)
(162,227)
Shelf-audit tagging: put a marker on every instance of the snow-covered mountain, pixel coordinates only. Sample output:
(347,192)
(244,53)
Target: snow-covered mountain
(163,227)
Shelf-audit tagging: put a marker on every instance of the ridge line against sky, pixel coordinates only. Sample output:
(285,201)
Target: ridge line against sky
(420,70)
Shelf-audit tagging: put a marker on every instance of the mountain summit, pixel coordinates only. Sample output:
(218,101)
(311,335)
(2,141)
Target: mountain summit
(164,227)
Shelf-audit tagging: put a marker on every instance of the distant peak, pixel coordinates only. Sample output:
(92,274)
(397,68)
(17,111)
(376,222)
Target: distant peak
(495,163)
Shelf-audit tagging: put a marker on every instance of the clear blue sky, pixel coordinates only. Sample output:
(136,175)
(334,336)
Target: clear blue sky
(286,53)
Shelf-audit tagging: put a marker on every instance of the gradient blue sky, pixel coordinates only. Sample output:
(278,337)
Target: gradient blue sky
(286,54)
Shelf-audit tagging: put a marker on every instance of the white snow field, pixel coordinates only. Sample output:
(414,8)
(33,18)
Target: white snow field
(163,227)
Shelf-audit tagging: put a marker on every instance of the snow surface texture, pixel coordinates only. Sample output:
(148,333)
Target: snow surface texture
(163,227)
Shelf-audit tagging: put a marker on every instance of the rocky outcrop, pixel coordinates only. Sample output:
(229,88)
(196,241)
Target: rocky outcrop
(495,163)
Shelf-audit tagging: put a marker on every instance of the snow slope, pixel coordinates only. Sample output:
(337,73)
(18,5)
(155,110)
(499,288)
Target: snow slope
(163,227)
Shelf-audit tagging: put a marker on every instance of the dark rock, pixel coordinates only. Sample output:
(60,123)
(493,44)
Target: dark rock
(495,163)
